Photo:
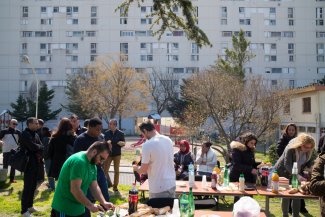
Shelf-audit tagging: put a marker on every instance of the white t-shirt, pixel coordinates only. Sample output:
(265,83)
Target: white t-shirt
(158,153)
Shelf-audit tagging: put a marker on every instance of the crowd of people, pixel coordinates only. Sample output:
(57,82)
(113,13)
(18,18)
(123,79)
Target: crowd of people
(77,160)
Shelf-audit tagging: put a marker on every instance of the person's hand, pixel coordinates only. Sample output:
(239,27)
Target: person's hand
(108,205)
(121,143)
(109,142)
(254,171)
(301,178)
(95,208)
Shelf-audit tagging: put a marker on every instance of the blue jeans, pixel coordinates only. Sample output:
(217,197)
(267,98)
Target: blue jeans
(102,183)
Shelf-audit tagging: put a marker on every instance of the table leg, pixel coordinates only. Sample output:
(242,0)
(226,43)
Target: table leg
(267,206)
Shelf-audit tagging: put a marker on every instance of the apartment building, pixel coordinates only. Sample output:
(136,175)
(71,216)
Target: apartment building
(62,37)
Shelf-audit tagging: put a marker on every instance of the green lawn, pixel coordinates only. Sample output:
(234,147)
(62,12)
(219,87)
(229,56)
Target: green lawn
(10,201)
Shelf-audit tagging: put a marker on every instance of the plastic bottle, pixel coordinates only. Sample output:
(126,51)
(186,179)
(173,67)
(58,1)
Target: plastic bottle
(294,178)
(241,186)
(275,182)
(137,156)
(214,180)
(184,205)
(191,178)
(226,177)
(191,204)
(269,179)
(133,199)
(175,210)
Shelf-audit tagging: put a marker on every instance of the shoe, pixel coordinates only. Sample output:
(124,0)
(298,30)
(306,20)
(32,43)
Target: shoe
(304,211)
(31,210)
(13,181)
(117,193)
(26,214)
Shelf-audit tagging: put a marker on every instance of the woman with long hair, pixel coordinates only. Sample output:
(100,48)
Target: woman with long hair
(182,159)
(61,141)
(300,150)
(289,132)
(243,158)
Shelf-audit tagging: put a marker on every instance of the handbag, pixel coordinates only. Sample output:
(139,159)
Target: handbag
(19,159)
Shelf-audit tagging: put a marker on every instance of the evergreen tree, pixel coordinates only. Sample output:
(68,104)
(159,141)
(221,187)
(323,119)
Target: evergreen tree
(44,103)
(236,57)
(20,109)
(74,99)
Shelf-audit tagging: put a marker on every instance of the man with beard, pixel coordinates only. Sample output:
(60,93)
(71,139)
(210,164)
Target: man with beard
(79,173)
(82,143)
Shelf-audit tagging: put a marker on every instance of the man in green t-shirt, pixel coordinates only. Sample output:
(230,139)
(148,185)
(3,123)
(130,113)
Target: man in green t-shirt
(79,173)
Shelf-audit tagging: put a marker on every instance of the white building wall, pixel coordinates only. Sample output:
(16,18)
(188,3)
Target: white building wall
(301,71)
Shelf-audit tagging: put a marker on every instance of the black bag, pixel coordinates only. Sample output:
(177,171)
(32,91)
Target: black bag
(19,159)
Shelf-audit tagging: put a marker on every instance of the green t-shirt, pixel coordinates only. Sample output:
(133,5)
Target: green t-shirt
(77,166)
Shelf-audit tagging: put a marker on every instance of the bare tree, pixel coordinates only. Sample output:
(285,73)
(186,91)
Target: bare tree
(162,88)
(108,88)
(236,106)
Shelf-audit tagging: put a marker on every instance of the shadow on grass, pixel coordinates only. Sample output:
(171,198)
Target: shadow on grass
(45,195)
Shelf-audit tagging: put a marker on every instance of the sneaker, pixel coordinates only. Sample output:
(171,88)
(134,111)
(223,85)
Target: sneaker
(117,193)
(31,210)
(26,214)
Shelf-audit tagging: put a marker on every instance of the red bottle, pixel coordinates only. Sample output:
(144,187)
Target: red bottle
(133,199)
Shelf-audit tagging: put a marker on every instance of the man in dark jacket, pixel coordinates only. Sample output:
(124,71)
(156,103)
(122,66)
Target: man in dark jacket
(31,142)
(10,138)
(116,139)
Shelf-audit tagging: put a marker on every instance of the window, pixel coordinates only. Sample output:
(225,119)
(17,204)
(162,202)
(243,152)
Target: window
(311,129)
(93,58)
(270,58)
(226,33)
(291,48)
(146,21)
(26,34)
(56,10)
(320,34)
(75,9)
(287,34)
(69,10)
(223,11)
(93,21)
(123,12)
(274,82)
(270,22)
(319,22)
(124,48)
(291,22)
(91,33)
(93,48)
(291,58)
(321,70)
(43,46)
(25,11)
(123,21)
(93,11)
(301,129)
(223,21)
(175,9)
(319,13)
(291,84)
(276,70)
(126,33)
(43,9)
(178,70)
(306,103)
(23,86)
(241,10)
(172,58)
(272,10)
(192,70)
(178,33)
(195,48)
(24,48)
(72,58)
(320,52)
(244,21)
(290,12)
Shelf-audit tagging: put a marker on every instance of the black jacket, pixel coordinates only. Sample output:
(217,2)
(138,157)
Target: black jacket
(57,153)
(187,159)
(30,141)
(115,137)
(317,183)
(242,161)
(282,144)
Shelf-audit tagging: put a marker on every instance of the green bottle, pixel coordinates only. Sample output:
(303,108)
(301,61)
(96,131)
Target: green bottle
(226,177)
(184,205)
(294,178)
(191,204)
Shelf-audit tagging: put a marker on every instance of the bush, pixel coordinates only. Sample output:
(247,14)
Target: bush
(273,155)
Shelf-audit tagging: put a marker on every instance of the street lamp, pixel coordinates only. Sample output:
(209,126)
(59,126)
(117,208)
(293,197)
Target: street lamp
(27,61)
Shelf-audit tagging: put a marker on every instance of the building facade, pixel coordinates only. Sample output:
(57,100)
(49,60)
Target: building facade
(62,37)
(306,108)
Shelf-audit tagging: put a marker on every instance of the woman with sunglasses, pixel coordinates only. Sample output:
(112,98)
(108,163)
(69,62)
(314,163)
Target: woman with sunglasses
(300,150)
(182,159)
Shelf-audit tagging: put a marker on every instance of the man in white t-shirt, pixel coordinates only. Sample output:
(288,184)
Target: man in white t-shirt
(158,162)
